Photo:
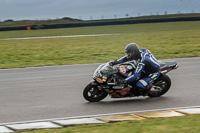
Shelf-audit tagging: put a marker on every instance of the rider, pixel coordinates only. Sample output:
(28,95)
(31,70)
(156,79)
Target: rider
(146,63)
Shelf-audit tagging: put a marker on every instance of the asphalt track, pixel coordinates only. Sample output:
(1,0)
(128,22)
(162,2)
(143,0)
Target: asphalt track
(37,93)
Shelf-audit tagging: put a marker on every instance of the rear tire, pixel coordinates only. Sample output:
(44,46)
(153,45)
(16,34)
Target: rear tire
(160,87)
(93,94)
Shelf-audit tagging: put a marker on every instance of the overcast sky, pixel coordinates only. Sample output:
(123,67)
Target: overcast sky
(92,9)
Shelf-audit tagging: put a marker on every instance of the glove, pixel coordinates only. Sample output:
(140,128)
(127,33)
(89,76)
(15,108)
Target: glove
(112,63)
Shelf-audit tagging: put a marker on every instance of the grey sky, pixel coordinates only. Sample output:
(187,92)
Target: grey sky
(91,9)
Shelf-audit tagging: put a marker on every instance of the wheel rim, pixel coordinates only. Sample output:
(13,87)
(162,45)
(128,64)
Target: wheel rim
(158,88)
(93,93)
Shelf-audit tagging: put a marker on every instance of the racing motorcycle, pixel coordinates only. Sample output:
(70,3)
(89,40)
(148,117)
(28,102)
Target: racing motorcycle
(108,80)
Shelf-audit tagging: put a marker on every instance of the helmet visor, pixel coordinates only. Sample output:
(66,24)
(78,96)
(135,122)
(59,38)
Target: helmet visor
(129,55)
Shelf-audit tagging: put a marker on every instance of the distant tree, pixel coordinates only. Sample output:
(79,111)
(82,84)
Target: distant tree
(70,19)
(9,20)
(67,18)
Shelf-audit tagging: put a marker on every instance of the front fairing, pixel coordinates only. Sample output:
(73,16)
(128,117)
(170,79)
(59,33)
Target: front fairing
(103,72)
(97,73)
(108,70)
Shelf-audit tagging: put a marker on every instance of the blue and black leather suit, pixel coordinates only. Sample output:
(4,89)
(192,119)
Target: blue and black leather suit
(146,64)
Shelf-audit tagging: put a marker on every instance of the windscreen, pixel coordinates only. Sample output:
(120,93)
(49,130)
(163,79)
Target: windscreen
(107,69)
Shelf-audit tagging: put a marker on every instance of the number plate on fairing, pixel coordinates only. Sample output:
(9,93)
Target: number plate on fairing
(126,69)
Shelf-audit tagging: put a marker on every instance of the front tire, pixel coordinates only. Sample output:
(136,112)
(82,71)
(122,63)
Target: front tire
(160,87)
(92,94)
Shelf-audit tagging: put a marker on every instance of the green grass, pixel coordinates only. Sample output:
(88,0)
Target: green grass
(184,124)
(164,40)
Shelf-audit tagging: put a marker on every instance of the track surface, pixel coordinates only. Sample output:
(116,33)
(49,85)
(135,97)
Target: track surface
(56,91)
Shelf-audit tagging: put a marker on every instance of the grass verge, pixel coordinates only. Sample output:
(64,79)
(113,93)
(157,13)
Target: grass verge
(164,40)
(183,124)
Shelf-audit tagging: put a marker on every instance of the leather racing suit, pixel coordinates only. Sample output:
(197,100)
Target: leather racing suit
(147,64)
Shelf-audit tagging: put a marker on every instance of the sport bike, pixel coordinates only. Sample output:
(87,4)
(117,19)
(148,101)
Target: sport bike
(108,80)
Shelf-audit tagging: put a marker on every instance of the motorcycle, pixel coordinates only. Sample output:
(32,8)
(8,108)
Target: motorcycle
(108,80)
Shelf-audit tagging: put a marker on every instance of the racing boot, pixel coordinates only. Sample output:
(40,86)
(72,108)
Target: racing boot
(144,91)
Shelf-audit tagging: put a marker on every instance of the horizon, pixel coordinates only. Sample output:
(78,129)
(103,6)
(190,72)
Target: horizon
(73,19)
(92,9)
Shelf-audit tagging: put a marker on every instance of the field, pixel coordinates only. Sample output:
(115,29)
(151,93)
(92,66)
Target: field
(164,40)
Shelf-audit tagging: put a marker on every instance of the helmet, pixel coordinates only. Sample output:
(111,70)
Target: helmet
(132,51)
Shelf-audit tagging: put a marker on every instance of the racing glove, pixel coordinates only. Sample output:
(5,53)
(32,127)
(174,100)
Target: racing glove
(112,63)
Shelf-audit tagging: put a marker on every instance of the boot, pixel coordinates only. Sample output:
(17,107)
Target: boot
(146,91)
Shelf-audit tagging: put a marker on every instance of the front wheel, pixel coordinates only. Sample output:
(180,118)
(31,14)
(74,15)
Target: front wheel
(93,94)
(160,87)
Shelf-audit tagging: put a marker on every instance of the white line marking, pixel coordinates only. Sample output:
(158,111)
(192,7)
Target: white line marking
(57,36)
(86,116)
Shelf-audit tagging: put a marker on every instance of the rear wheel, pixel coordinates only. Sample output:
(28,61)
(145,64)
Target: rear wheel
(93,94)
(160,87)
